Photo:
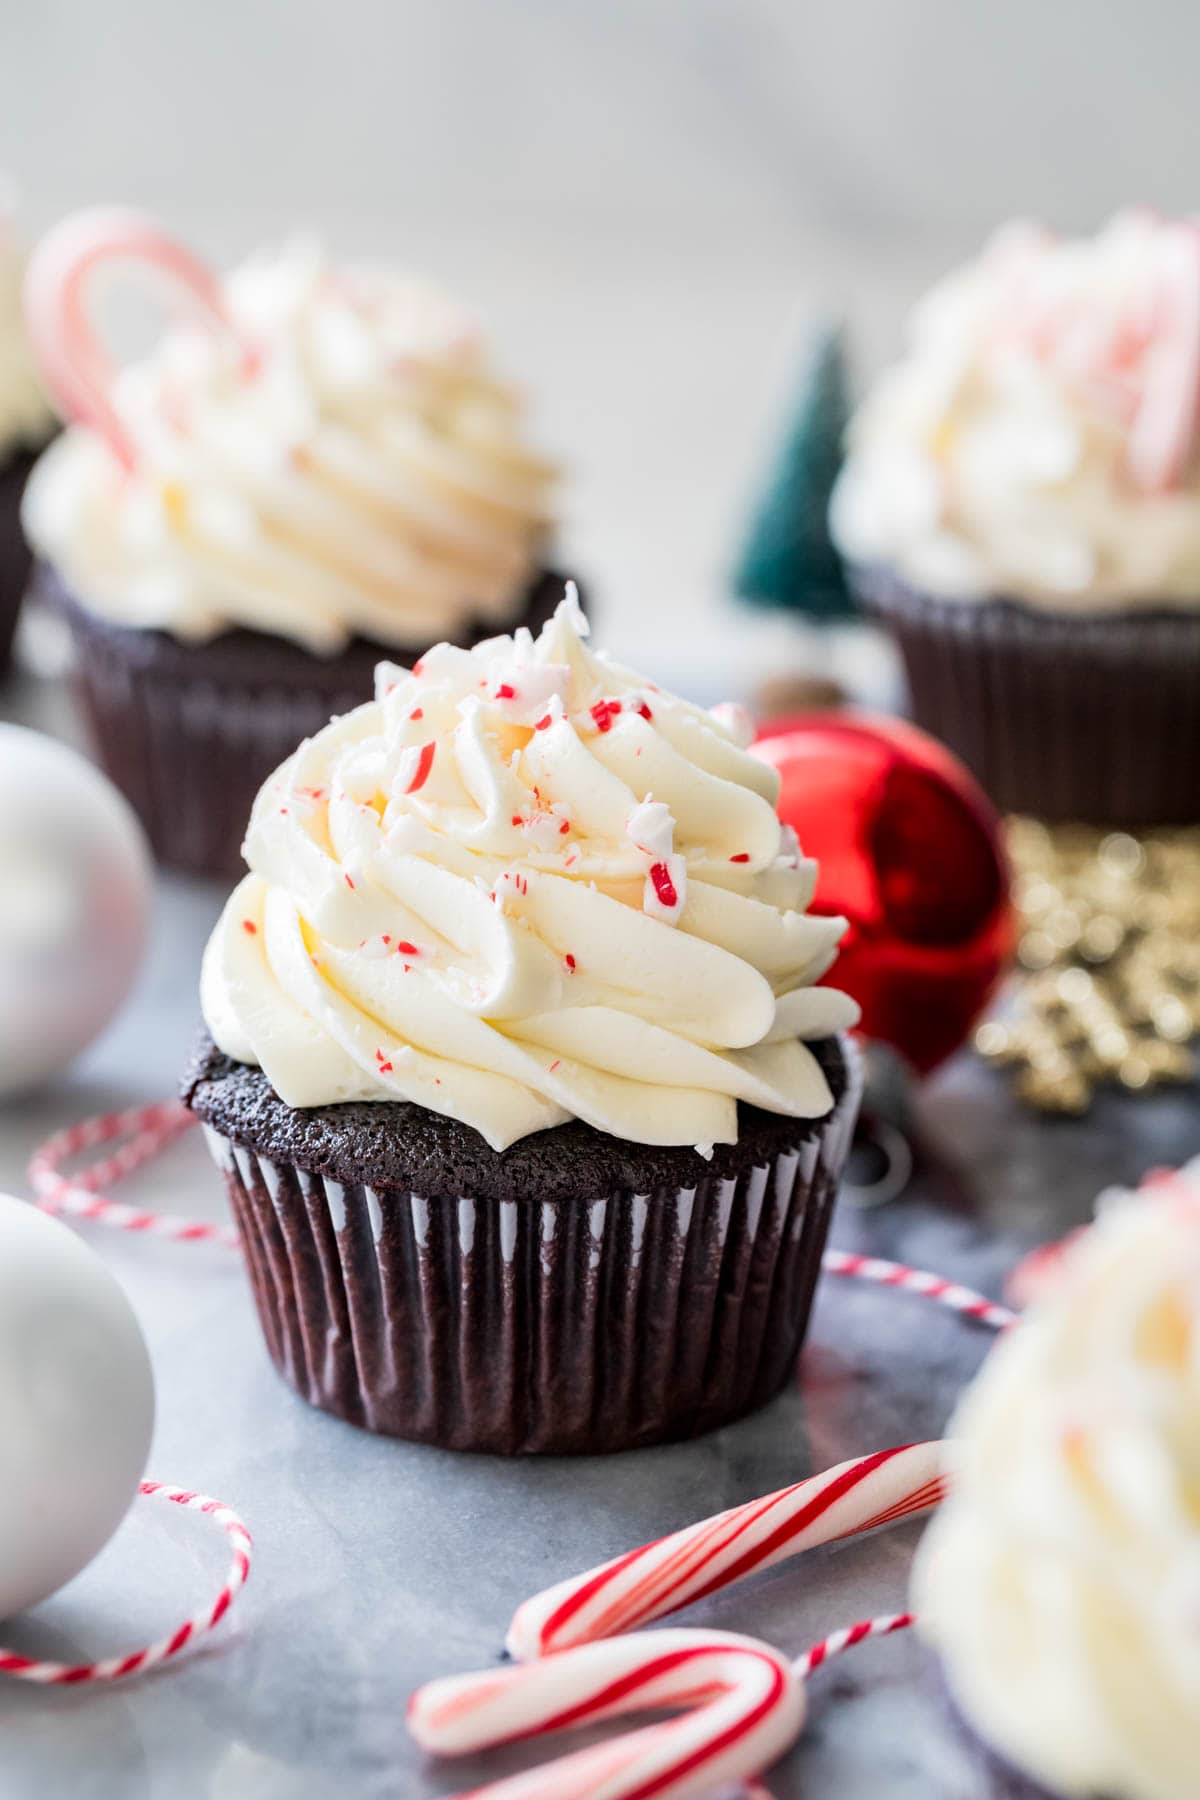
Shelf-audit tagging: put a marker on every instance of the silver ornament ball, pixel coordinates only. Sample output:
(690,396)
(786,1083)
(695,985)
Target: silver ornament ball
(76,1405)
(75,891)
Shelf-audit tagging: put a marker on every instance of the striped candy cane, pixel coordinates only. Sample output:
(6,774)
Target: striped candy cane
(745,1707)
(148,1130)
(76,367)
(631,1590)
(135,1662)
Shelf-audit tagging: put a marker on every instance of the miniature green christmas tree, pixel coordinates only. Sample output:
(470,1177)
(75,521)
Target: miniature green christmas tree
(788,559)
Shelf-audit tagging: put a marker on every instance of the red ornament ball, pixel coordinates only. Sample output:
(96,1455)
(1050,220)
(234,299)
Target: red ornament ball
(910,851)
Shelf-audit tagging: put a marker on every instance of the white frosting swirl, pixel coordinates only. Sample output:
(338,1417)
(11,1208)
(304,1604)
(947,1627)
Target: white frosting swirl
(524,886)
(25,416)
(363,471)
(1061,1580)
(1038,439)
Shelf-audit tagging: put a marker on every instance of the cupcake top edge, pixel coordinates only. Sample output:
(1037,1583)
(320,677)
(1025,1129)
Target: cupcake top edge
(1060,1582)
(26,419)
(1038,438)
(311,449)
(524,885)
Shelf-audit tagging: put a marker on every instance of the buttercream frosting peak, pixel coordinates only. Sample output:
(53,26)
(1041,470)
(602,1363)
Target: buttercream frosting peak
(342,460)
(608,920)
(1038,438)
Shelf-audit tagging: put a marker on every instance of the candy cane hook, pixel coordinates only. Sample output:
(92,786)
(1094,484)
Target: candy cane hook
(76,366)
(745,1707)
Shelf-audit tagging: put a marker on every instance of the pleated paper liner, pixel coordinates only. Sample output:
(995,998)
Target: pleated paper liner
(530,1325)
(1090,716)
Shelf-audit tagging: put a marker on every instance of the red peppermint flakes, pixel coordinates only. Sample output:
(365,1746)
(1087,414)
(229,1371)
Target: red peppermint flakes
(742,856)
(404,948)
(544,724)
(516,819)
(604,712)
(421,772)
(570,962)
(555,1064)
(644,710)
(664,887)
(385,1067)
(417,666)
(564,827)
(248,925)
(348,879)
(418,712)
(505,692)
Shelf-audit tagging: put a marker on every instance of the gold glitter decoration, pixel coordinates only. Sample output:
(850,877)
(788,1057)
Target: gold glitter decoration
(1107,985)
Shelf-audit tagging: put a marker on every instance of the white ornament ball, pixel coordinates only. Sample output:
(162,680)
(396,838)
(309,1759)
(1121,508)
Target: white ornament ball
(75,889)
(76,1405)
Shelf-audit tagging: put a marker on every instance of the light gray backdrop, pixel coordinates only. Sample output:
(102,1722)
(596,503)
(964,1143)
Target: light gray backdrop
(646,197)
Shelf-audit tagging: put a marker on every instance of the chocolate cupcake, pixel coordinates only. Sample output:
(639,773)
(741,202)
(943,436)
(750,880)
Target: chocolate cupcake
(26,424)
(1021,507)
(509,1071)
(315,469)
(1058,1581)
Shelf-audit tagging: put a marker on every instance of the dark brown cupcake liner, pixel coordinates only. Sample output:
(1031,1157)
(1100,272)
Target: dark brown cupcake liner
(522,1326)
(15,556)
(1092,717)
(189,732)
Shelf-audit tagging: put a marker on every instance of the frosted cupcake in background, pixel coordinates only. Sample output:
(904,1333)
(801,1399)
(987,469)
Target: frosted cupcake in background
(315,467)
(1020,504)
(1060,1583)
(26,422)
(528,1104)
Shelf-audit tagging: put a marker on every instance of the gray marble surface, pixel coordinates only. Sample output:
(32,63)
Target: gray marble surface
(381,1564)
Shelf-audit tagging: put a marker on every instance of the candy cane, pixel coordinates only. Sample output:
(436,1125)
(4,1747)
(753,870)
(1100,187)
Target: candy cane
(745,1704)
(76,367)
(149,1130)
(748,1706)
(135,1662)
(631,1590)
